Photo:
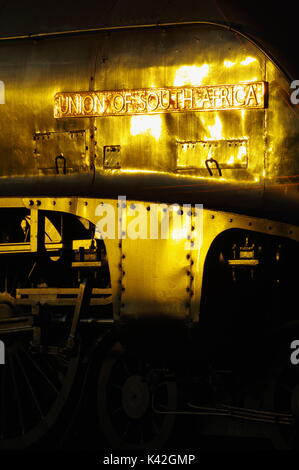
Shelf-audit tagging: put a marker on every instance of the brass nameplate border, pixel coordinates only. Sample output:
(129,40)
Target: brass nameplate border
(249,95)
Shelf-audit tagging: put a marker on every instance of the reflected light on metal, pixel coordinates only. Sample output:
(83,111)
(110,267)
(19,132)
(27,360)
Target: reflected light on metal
(215,130)
(190,75)
(146,124)
(228,63)
(242,153)
(248,60)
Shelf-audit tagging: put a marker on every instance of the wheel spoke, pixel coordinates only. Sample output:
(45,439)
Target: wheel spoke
(29,386)
(33,389)
(21,417)
(40,371)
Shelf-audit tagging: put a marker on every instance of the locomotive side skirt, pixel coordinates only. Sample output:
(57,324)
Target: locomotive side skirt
(143,269)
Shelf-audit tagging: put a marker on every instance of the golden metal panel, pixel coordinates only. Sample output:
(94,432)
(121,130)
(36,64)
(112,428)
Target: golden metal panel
(70,147)
(156,272)
(231,153)
(185,58)
(158,275)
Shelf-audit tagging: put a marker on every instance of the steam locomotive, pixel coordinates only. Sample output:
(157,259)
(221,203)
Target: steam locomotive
(115,113)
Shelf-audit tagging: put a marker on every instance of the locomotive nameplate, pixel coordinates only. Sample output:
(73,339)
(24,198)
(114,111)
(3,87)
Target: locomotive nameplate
(160,100)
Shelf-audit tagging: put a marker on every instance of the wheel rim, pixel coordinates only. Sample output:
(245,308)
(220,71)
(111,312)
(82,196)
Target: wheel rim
(34,388)
(124,402)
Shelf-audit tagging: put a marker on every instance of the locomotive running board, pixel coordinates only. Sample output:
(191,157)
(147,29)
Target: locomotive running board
(16,324)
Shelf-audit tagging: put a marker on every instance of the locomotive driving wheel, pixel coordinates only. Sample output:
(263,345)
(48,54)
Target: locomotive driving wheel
(127,386)
(34,388)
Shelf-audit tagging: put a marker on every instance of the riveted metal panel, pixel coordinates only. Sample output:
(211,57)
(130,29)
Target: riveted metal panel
(156,272)
(112,156)
(60,152)
(227,153)
(163,278)
(178,57)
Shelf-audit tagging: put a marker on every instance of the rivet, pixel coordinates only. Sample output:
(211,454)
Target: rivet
(86,203)
(148,208)
(30,203)
(38,203)
(54,203)
(212,217)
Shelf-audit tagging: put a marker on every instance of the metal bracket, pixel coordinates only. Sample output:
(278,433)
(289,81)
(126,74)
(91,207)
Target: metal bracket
(212,160)
(57,167)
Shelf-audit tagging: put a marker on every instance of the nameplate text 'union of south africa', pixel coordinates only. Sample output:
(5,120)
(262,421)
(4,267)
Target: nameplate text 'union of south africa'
(160,100)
